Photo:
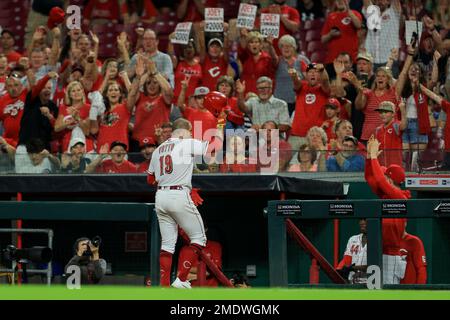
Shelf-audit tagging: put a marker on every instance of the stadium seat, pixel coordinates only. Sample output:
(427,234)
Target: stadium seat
(312,35)
(107,50)
(314,46)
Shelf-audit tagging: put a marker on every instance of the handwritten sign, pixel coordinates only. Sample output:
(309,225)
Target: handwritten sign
(213,19)
(246,16)
(270,25)
(182,32)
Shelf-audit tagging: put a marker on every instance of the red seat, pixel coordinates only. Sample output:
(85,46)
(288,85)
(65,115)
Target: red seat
(312,35)
(314,46)
(107,50)
(10,4)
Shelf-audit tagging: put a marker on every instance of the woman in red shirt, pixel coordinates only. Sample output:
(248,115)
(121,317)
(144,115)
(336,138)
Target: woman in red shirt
(187,68)
(152,106)
(113,124)
(74,114)
(235,118)
(256,62)
(383,89)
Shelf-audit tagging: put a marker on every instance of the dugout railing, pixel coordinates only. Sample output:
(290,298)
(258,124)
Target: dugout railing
(283,215)
(89,212)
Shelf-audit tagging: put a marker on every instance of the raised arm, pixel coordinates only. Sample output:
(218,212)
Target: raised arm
(181,102)
(430,94)
(324,79)
(356,21)
(404,120)
(399,85)
(121,40)
(240,90)
(134,90)
(295,79)
(56,46)
(166,89)
(268,46)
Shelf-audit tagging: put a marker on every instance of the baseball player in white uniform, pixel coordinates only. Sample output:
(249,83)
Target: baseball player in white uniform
(172,165)
(355,256)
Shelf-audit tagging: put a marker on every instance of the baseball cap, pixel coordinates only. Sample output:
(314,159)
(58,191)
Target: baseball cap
(365,56)
(55,17)
(118,143)
(215,40)
(352,139)
(311,66)
(147,141)
(386,106)
(201,91)
(76,141)
(396,173)
(333,103)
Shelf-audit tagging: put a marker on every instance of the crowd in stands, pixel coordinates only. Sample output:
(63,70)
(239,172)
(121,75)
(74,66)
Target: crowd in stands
(100,98)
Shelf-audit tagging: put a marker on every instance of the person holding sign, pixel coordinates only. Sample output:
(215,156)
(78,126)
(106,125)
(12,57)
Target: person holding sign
(289,19)
(194,10)
(256,62)
(213,58)
(187,65)
(340,31)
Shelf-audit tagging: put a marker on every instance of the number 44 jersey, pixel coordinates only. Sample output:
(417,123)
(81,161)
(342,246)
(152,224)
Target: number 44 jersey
(173,161)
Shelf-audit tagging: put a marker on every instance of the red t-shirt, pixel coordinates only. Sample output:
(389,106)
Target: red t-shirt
(192,13)
(309,109)
(253,69)
(390,138)
(347,41)
(97,10)
(329,130)
(59,95)
(11,111)
(291,14)
(114,126)
(149,11)
(67,133)
(446,106)
(149,112)
(143,166)
(184,69)
(108,166)
(372,118)
(416,262)
(200,117)
(212,71)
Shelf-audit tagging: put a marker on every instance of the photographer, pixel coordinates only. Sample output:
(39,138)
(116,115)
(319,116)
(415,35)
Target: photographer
(87,257)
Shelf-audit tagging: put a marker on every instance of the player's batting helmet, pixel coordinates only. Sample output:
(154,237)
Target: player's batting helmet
(215,102)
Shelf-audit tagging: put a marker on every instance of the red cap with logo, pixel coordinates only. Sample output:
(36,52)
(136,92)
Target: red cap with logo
(147,141)
(396,173)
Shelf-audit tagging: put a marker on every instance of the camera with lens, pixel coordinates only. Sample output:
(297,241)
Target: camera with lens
(96,241)
(33,254)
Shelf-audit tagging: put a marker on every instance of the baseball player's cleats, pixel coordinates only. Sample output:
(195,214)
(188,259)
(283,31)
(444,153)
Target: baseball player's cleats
(181,284)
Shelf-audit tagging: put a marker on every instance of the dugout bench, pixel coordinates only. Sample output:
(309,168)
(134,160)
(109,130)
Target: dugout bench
(282,214)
